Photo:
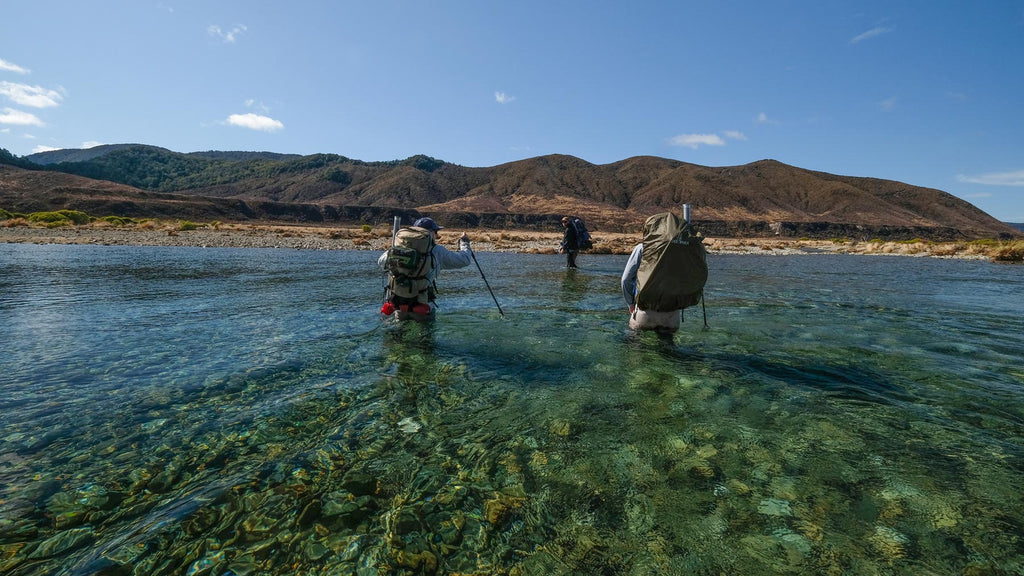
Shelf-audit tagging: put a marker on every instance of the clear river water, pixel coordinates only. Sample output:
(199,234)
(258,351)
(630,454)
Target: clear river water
(231,411)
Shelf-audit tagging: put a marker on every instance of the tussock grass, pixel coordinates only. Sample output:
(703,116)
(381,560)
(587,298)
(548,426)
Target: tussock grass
(365,236)
(1009,252)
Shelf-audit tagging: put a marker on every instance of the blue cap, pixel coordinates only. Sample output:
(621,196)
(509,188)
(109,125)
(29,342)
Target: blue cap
(427,223)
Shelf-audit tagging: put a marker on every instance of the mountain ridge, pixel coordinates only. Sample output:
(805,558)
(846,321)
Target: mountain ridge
(615,195)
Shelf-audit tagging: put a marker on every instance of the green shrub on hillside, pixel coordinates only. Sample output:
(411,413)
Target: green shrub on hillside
(338,176)
(60,218)
(986,242)
(119,220)
(186,225)
(78,218)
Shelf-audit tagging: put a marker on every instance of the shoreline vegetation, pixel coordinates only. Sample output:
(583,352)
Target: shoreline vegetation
(70,227)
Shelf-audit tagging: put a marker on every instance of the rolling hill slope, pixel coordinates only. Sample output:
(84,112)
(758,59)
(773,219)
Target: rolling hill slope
(760,198)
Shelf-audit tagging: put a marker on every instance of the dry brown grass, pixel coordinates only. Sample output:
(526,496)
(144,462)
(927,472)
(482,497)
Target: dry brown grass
(15,222)
(530,242)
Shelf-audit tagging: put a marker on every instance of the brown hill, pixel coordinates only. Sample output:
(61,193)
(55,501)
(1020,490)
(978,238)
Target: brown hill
(761,198)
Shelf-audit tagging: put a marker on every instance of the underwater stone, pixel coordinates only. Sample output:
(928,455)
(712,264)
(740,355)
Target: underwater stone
(10,556)
(498,508)
(315,550)
(774,507)
(309,514)
(405,521)
(797,541)
(409,425)
(359,482)
(702,470)
(639,513)
(201,567)
(424,562)
(258,525)
(738,487)
(243,565)
(561,428)
(449,533)
(62,542)
(888,542)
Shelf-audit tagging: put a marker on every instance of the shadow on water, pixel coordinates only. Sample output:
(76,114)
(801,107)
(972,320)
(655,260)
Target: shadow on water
(574,288)
(838,380)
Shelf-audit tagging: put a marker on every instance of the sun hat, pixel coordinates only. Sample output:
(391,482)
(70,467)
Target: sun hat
(427,223)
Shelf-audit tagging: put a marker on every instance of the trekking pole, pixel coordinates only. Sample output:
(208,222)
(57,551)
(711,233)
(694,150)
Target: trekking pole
(486,283)
(384,279)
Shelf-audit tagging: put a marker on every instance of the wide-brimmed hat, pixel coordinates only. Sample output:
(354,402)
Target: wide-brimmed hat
(427,223)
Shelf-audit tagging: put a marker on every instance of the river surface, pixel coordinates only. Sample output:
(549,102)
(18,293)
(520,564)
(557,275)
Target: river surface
(233,411)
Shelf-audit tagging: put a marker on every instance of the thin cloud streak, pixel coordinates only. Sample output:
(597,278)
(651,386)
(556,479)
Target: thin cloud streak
(11,67)
(873,33)
(502,98)
(1014,178)
(696,140)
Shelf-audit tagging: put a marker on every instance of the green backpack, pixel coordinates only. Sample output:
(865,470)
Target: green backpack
(673,266)
(410,261)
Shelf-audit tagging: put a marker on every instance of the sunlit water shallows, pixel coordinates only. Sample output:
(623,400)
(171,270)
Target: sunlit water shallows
(191,411)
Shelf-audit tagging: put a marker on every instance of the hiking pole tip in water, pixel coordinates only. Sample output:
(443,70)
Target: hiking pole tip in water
(502,314)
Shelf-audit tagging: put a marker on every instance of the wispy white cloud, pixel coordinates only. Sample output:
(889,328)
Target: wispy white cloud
(1013,178)
(229,36)
(873,33)
(735,135)
(958,96)
(696,140)
(255,122)
(19,118)
(42,148)
(256,105)
(888,104)
(763,118)
(502,98)
(90,144)
(11,67)
(34,96)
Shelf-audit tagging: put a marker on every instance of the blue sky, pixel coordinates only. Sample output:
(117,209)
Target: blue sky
(930,93)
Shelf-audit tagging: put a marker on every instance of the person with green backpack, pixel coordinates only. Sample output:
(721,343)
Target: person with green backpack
(665,273)
(412,263)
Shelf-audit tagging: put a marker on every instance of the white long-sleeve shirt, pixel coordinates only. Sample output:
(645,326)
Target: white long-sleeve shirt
(629,275)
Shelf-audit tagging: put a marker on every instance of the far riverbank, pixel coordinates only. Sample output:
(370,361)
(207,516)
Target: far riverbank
(528,242)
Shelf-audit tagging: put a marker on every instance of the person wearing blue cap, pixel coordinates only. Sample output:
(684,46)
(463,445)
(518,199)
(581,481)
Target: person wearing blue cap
(418,301)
